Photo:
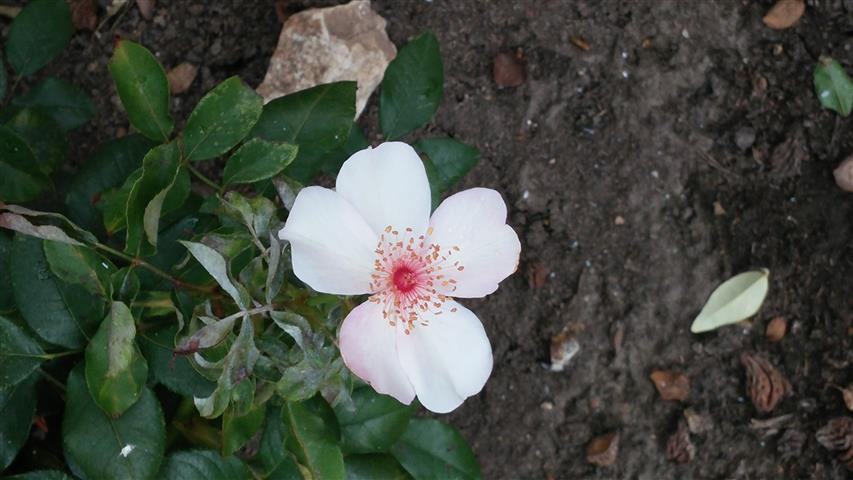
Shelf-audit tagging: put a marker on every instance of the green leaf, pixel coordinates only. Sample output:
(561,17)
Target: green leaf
(446,162)
(356,140)
(374,466)
(738,298)
(254,213)
(272,460)
(20,223)
(313,438)
(42,135)
(115,368)
(238,429)
(161,174)
(125,284)
(80,265)
(7,299)
(833,86)
(80,235)
(20,178)
(59,313)
(221,119)
(68,105)
(216,266)
(375,424)
(17,407)
(108,168)
(169,252)
(412,87)
(430,449)
(143,89)
(317,120)
(234,379)
(3,78)
(128,447)
(257,160)
(174,372)
(20,355)
(208,336)
(40,475)
(38,34)
(202,464)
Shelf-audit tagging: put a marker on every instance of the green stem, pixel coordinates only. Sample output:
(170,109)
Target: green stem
(136,261)
(204,178)
(54,356)
(50,378)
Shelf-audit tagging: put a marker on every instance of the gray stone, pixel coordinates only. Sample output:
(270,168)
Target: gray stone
(323,45)
(744,138)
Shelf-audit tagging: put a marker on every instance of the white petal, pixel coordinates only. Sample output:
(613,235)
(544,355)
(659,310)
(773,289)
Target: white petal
(448,360)
(474,222)
(388,186)
(332,246)
(369,349)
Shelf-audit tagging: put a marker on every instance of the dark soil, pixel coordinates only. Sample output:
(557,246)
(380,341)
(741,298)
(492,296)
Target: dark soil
(653,125)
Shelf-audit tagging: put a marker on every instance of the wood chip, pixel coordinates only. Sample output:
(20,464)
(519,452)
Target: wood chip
(764,384)
(603,449)
(671,385)
(579,42)
(776,329)
(847,395)
(784,14)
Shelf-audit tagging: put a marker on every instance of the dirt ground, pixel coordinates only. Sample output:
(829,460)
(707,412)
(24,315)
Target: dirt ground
(675,106)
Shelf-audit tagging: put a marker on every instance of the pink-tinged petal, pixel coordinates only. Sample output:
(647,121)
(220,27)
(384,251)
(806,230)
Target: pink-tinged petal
(369,349)
(480,248)
(388,186)
(448,360)
(332,246)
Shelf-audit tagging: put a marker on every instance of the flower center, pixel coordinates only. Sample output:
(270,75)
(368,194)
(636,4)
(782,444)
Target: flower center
(412,277)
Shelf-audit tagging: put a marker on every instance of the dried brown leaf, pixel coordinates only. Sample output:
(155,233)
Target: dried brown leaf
(509,70)
(784,14)
(837,434)
(671,385)
(579,42)
(84,14)
(603,449)
(537,274)
(181,77)
(847,395)
(764,384)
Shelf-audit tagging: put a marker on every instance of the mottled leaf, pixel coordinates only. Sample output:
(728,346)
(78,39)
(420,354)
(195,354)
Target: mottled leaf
(80,265)
(215,264)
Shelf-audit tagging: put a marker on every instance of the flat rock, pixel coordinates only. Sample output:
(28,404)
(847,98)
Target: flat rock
(323,45)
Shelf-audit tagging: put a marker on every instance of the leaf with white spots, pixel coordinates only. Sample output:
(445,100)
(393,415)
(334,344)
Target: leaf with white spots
(221,119)
(128,447)
(738,298)
(217,267)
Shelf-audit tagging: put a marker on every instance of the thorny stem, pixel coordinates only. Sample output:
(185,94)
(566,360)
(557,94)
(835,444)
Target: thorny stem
(156,271)
(204,178)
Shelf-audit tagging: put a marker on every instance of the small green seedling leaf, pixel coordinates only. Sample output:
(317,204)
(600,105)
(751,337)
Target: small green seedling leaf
(67,104)
(412,87)
(20,355)
(833,86)
(221,119)
(738,298)
(115,368)
(102,447)
(143,89)
(257,160)
(38,34)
